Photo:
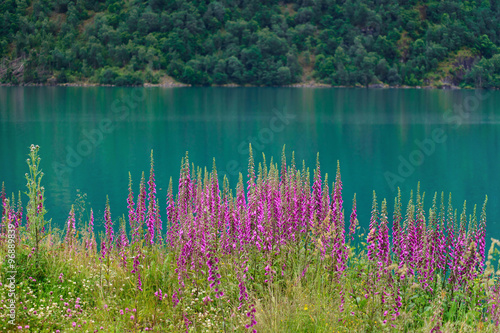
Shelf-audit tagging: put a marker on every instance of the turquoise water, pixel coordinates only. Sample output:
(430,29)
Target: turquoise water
(91,137)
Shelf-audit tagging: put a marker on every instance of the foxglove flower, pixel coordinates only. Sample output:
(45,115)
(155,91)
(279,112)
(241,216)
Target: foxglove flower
(152,210)
(354,220)
(70,231)
(159,295)
(108,225)
(383,239)
(131,209)
(372,234)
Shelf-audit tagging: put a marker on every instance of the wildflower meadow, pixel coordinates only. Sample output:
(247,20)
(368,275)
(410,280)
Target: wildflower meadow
(276,254)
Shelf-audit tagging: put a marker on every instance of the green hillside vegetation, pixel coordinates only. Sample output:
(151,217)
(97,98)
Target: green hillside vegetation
(250,42)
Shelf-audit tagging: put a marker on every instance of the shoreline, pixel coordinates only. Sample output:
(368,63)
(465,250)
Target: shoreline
(173,84)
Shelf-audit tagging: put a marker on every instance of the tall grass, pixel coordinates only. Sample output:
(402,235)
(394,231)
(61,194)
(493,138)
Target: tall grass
(275,255)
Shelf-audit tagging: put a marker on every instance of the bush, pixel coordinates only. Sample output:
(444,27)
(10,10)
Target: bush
(129,79)
(61,77)
(108,76)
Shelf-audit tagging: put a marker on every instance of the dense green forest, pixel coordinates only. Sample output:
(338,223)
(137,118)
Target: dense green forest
(266,42)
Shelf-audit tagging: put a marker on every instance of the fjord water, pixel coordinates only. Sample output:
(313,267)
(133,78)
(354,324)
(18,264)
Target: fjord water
(91,137)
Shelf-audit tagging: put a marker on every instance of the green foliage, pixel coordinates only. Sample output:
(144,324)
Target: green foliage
(35,210)
(113,76)
(485,73)
(356,42)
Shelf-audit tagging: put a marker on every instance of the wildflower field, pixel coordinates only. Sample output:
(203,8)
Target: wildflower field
(277,254)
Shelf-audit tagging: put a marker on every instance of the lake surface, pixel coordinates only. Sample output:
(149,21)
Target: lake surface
(91,137)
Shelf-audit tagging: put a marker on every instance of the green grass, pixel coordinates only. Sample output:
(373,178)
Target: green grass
(290,304)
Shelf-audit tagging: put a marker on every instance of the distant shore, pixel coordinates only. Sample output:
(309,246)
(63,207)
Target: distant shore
(173,84)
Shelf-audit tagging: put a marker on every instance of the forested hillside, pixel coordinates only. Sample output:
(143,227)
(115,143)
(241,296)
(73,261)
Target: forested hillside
(266,42)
